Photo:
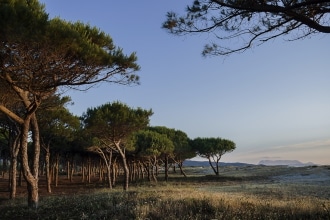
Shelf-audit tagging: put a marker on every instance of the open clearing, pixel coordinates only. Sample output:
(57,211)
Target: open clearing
(272,181)
(244,192)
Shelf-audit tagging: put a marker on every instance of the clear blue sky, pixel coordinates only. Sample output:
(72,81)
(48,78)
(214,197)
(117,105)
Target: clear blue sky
(273,101)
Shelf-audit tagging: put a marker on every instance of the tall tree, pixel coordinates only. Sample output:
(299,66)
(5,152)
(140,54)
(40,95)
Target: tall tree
(11,130)
(112,124)
(250,22)
(10,133)
(213,149)
(56,123)
(39,55)
(180,150)
(150,145)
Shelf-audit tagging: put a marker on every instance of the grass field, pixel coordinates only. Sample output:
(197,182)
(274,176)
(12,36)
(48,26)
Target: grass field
(250,192)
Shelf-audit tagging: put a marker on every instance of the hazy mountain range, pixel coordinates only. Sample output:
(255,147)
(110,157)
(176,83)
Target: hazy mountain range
(292,163)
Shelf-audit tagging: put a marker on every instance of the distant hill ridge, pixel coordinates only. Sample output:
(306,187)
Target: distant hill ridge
(293,163)
(193,163)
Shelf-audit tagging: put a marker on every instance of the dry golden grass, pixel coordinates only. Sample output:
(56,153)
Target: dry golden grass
(262,193)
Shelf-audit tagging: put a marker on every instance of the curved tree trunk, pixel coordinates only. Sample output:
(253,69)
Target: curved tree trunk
(126,173)
(125,166)
(180,164)
(215,170)
(31,173)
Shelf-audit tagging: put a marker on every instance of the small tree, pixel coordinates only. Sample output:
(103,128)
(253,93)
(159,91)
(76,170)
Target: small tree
(213,149)
(250,22)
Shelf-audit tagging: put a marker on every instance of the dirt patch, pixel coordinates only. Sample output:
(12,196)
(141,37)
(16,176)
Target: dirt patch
(257,180)
(65,187)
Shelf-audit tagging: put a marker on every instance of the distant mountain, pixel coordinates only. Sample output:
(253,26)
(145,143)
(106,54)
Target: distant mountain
(291,163)
(193,163)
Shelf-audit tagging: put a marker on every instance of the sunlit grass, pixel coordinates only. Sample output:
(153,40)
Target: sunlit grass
(170,201)
(237,193)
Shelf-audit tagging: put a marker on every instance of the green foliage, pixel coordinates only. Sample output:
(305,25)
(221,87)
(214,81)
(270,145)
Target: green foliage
(208,147)
(115,122)
(42,54)
(21,19)
(151,143)
(213,149)
(58,127)
(182,149)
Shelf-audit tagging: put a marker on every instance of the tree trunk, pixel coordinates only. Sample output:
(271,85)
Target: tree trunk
(166,168)
(20,179)
(181,170)
(114,171)
(67,168)
(213,168)
(153,173)
(13,166)
(133,171)
(101,170)
(89,170)
(109,177)
(56,168)
(31,173)
(83,170)
(125,166)
(4,167)
(13,172)
(154,169)
(72,170)
(126,173)
(148,167)
(48,176)
(33,194)
(142,170)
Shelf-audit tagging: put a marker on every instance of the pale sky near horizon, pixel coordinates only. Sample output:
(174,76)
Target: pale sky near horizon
(273,101)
